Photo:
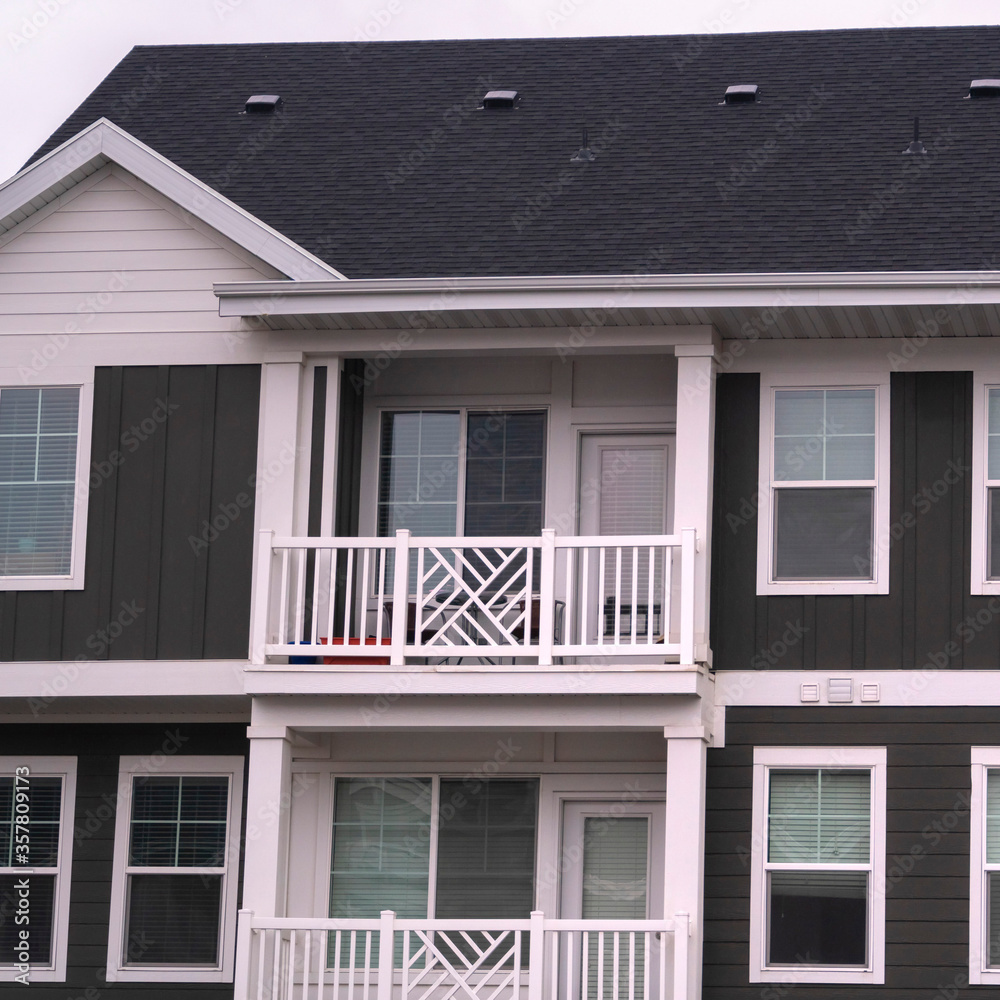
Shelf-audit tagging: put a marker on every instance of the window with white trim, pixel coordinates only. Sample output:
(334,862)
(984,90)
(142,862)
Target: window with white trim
(173,910)
(984,877)
(37,797)
(824,500)
(818,865)
(44,484)
(986,487)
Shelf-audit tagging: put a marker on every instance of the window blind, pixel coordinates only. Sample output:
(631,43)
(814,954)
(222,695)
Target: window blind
(819,816)
(615,867)
(38,445)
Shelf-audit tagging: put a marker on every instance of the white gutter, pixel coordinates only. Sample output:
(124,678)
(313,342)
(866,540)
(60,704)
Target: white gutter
(285,298)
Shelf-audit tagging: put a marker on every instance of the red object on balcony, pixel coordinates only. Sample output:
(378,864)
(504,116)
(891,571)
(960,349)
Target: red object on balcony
(370,641)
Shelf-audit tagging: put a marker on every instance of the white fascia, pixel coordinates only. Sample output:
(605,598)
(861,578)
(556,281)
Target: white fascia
(104,141)
(786,290)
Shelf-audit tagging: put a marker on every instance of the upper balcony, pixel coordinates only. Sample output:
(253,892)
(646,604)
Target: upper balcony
(551,599)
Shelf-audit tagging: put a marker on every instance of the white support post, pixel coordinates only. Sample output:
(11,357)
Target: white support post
(547,596)
(265,868)
(244,949)
(693,473)
(386,954)
(688,603)
(401,599)
(536,955)
(261,597)
(278,456)
(685,856)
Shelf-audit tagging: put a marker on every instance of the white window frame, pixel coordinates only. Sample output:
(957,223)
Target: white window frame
(132,767)
(879,582)
(981,583)
(811,758)
(50,767)
(984,759)
(84,380)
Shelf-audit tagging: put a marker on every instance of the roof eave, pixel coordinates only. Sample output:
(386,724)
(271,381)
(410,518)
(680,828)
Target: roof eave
(380,295)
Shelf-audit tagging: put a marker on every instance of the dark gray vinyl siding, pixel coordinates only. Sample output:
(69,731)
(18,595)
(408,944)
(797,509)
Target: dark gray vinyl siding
(97,749)
(174,449)
(927,843)
(928,605)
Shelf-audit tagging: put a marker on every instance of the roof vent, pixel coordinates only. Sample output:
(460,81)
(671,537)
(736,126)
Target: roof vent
(262,104)
(984,88)
(500,99)
(742,93)
(584,154)
(915,146)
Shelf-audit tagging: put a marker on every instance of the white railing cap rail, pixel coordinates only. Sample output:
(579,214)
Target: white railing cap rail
(429,924)
(472,541)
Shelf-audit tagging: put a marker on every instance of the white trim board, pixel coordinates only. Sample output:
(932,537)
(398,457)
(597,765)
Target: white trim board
(103,141)
(929,686)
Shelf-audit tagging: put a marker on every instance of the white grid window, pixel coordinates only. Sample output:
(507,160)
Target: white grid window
(817,895)
(176,855)
(984,877)
(36,851)
(44,453)
(824,508)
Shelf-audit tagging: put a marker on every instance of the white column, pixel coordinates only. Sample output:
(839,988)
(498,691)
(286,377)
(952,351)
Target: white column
(693,473)
(685,842)
(281,444)
(268,804)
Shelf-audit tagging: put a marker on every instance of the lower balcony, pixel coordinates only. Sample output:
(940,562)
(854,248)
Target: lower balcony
(392,959)
(511,600)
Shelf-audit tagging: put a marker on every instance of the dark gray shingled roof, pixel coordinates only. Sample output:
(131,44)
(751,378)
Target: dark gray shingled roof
(379,162)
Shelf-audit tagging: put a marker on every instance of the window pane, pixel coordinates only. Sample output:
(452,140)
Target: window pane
(486,849)
(504,473)
(41,896)
(993,918)
(381,847)
(38,443)
(993,817)
(817,816)
(818,918)
(823,534)
(173,919)
(993,435)
(418,473)
(615,865)
(824,434)
(993,529)
(179,821)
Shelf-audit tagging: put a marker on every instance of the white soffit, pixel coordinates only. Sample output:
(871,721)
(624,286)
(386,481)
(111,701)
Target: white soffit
(49,178)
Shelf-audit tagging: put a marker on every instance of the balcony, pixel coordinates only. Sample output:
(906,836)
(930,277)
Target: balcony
(403,600)
(391,958)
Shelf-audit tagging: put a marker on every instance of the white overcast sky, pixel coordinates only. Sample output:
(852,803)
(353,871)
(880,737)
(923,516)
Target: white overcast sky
(54,52)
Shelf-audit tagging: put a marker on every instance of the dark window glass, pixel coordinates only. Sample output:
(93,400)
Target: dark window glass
(173,919)
(823,534)
(41,899)
(505,462)
(818,918)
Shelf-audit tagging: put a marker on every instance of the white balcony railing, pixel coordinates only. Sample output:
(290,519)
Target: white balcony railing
(395,959)
(538,599)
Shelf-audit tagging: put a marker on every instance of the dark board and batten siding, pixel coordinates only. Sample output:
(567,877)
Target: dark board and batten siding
(93,840)
(170,524)
(927,844)
(928,605)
